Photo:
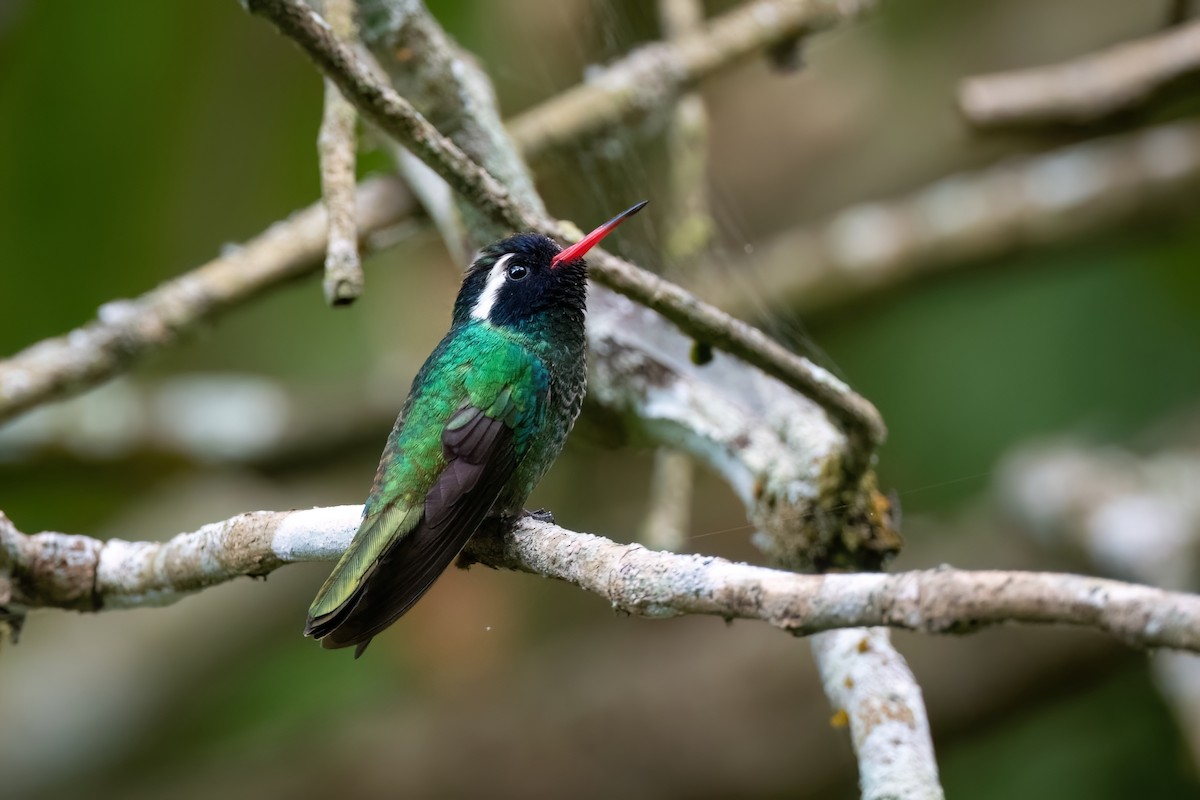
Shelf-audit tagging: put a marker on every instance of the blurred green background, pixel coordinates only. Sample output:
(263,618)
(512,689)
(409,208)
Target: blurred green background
(138,140)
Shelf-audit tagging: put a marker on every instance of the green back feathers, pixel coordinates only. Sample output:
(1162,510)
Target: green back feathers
(475,366)
(475,363)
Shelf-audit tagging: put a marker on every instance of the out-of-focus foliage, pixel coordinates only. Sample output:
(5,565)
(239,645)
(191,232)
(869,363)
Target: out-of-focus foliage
(135,141)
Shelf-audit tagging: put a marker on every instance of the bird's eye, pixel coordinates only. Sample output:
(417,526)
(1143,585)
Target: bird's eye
(517,272)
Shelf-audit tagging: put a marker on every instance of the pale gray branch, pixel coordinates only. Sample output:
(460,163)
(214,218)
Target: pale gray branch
(1086,89)
(446,84)
(126,330)
(874,693)
(337,145)
(689,224)
(670,511)
(653,76)
(1019,203)
(1134,517)
(86,574)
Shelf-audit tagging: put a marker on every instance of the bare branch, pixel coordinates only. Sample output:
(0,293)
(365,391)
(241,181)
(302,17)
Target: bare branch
(1137,517)
(125,330)
(391,112)
(1084,90)
(395,115)
(689,225)
(1134,517)
(337,145)
(714,327)
(85,574)
(447,84)
(875,694)
(1020,202)
(656,74)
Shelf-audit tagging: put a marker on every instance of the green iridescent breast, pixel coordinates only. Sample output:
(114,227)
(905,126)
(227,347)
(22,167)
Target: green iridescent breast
(477,364)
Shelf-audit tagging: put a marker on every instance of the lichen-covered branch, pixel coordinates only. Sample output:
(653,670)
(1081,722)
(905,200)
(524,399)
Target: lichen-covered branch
(895,757)
(337,145)
(875,695)
(125,330)
(396,116)
(1085,89)
(1018,203)
(78,572)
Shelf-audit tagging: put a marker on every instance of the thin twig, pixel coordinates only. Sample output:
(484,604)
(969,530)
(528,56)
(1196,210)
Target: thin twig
(1086,89)
(125,330)
(447,84)
(688,230)
(1019,203)
(654,75)
(689,224)
(714,327)
(397,117)
(391,112)
(86,574)
(337,146)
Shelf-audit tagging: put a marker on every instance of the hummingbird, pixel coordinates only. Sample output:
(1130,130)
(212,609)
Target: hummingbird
(486,416)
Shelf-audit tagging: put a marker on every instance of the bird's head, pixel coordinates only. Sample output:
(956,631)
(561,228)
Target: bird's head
(522,277)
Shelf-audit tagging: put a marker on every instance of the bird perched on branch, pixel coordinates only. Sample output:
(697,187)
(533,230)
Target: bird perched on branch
(486,416)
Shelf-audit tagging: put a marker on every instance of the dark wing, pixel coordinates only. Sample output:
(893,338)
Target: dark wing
(480,457)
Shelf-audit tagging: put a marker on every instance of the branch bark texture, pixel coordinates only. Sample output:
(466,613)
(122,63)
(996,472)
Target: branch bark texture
(875,694)
(1135,517)
(79,572)
(1086,89)
(1019,203)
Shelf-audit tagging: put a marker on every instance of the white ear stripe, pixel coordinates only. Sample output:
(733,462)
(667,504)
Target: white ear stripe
(491,290)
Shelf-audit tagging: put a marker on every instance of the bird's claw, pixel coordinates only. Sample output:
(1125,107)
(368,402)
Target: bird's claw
(541,515)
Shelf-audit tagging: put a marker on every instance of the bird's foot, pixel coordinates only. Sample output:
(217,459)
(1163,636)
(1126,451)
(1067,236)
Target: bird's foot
(541,515)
